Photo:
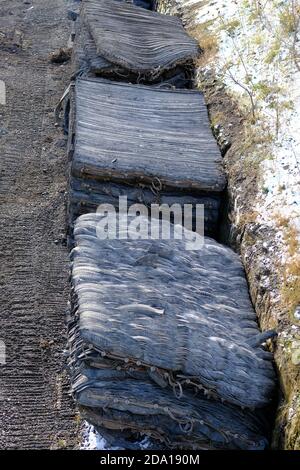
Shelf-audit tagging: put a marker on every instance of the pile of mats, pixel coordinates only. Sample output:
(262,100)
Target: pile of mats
(164,341)
(153,145)
(118,39)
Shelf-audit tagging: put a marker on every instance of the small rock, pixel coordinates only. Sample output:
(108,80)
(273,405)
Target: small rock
(61,56)
(297,313)
(296,357)
(61,143)
(3,131)
(18,38)
(72,15)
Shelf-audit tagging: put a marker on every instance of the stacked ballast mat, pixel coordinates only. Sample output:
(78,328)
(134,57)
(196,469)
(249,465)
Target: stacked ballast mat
(164,342)
(123,41)
(152,145)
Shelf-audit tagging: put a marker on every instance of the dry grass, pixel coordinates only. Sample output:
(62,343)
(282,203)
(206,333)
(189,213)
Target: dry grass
(291,276)
(62,444)
(290,438)
(218,118)
(290,234)
(291,238)
(291,286)
(289,17)
(207,40)
(281,221)
(247,218)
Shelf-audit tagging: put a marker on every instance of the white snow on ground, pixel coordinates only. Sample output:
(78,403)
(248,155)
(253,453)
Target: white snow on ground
(92,439)
(254,49)
(282,173)
(258,58)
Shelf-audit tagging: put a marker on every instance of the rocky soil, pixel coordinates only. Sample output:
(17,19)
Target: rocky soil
(36,410)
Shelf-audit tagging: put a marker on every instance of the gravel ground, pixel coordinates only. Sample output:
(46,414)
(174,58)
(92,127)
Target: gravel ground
(36,410)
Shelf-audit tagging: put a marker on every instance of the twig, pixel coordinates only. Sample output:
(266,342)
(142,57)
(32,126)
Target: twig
(249,92)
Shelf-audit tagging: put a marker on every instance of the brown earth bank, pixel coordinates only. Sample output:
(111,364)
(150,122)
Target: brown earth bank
(259,245)
(36,408)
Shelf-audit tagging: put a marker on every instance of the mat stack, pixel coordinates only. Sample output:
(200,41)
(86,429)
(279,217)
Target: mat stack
(164,341)
(152,145)
(119,40)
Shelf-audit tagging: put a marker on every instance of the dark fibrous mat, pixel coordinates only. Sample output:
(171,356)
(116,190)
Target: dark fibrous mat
(86,62)
(165,341)
(85,57)
(137,39)
(86,196)
(113,402)
(161,149)
(136,133)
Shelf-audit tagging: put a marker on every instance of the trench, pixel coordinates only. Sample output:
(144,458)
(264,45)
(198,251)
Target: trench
(183,78)
(223,235)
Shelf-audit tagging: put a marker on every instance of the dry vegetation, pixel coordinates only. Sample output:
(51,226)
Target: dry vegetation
(291,268)
(207,40)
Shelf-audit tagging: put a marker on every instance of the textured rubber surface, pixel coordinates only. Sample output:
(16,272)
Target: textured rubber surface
(164,342)
(112,400)
(89,63)
(137,39)
(87,195)
(85,56)
(159,305)
(136,133)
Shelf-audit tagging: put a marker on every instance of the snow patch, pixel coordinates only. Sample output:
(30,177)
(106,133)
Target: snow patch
(258,58)
(92,439)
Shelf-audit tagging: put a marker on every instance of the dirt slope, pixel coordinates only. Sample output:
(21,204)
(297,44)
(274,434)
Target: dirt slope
(35,408)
